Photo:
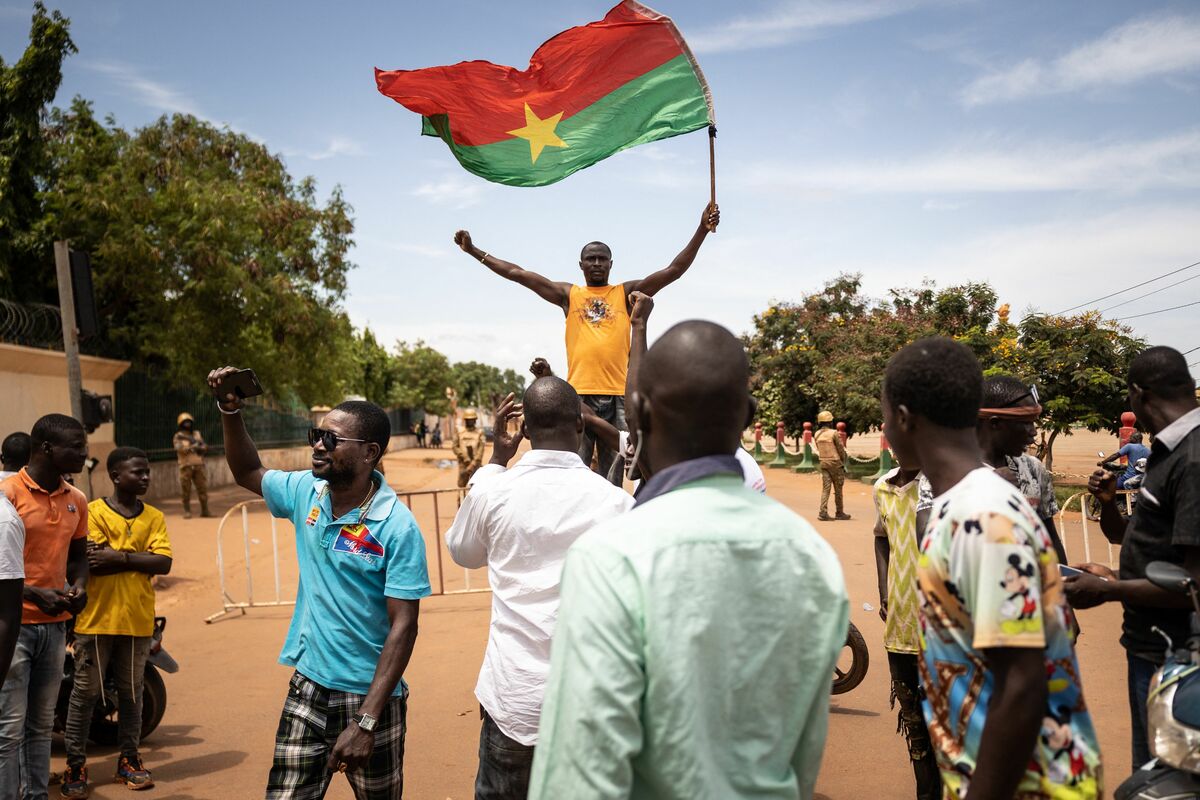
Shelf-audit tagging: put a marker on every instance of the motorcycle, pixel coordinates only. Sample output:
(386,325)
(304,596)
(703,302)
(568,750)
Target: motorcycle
(104,729)
(851,666)
(1173,707)
(1091,506)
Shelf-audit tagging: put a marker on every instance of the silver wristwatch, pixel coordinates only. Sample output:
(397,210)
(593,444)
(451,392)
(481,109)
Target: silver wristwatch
(366,722)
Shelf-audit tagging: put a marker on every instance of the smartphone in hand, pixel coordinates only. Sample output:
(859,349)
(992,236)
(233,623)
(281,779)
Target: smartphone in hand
(1068,572)
(243,383)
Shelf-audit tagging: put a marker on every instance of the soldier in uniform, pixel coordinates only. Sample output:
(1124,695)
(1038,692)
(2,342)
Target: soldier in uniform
(832,453)
(468,444)
(190,449)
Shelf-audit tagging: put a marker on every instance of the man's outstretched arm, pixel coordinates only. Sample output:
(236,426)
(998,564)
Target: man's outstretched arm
(554,292)
(240,451)
(674,271)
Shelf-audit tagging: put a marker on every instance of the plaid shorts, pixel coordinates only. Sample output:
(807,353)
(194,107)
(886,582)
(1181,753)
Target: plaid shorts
(313,718)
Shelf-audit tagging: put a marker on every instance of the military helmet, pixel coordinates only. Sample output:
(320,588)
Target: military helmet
(469,414)
(825,416)
(185,415)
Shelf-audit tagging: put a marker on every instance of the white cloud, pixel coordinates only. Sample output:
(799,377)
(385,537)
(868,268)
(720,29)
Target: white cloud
(410,248)
(1119,166)
(145,91)
(934,204)
(1050,266)
(338,146)
(792,20)
(1137,50)
(456,191)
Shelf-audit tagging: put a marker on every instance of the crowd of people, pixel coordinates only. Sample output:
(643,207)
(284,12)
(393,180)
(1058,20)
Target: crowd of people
(673,642)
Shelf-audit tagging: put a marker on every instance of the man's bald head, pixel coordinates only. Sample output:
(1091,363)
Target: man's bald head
(694,384)
(551,407)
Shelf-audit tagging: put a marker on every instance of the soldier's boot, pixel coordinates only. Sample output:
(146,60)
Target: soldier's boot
(204,512)
(187,509)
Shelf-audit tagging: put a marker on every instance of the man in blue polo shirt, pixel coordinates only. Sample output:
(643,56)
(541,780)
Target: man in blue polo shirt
(362,574)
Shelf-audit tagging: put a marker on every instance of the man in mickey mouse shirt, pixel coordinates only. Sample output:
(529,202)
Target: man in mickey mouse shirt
(1004,701)
(362,574)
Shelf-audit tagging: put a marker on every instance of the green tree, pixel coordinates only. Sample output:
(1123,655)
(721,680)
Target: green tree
(26,89)
(205,250)
(377,375)
(829,351)
(422,376)
(1079,365)
(477,383)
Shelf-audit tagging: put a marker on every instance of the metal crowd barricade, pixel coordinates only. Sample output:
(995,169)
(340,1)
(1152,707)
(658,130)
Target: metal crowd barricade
(1081,497)
(229,604)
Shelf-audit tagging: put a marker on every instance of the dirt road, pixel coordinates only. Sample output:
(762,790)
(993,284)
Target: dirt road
(215,742)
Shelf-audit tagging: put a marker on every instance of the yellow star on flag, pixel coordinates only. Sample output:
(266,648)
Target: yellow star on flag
(539,132)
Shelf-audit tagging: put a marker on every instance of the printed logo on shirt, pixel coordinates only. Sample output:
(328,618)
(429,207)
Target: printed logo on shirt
(312,516)
(70,508)
(357,540)
(595,311)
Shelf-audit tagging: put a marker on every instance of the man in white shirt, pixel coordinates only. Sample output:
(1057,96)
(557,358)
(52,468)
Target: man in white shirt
(520,522)
(12,580)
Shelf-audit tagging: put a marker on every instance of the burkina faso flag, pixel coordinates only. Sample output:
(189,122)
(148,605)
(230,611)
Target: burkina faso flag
(587,93)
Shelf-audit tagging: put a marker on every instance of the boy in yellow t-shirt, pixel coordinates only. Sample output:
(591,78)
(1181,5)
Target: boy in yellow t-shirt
(127,544)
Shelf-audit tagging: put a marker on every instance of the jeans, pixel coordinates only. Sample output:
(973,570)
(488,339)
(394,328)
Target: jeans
(611,409)
(1140,673)
(123,659)
(907,691)
(504,764)
(27,710)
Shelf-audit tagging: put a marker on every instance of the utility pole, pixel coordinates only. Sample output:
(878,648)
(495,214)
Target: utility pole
(66,307)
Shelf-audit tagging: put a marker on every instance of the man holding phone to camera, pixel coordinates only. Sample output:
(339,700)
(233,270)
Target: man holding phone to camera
(362,574)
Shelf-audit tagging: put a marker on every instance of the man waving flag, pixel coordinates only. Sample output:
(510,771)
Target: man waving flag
(588,92)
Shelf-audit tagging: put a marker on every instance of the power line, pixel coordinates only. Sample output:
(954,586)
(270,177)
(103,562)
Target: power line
(1194,349)
(1129,288)
(1147,294)
(1160,311)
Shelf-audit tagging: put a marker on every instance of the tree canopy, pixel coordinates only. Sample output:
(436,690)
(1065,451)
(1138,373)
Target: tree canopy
(27,88)
(829,351)
(204,250)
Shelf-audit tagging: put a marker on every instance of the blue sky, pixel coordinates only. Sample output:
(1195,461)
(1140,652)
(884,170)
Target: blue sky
(1052,149)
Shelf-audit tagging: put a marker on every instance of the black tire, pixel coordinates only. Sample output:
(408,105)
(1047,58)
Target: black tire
(852,663)
(154,705)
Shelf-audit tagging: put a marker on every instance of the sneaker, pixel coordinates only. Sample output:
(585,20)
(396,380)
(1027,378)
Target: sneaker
(131,773)
(75,783)
(840,515)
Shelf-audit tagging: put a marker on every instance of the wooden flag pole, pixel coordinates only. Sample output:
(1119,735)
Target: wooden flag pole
(712,167)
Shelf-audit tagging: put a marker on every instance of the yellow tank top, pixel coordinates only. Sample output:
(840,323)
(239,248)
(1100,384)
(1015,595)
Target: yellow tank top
(597,339)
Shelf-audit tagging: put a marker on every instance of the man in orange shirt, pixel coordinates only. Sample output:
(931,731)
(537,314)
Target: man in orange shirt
(55,517)
(597,331)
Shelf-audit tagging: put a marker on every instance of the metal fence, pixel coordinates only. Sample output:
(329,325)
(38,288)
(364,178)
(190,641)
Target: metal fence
(146,410)
(433,509)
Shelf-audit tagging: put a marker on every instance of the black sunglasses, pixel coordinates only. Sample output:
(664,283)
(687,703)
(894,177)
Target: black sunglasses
(328,439)
(1033,392)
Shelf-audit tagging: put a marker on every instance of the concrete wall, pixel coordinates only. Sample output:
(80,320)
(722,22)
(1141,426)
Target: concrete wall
(33,383)
(164,475)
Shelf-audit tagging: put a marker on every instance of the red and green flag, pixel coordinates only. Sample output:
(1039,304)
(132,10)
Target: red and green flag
(589,92)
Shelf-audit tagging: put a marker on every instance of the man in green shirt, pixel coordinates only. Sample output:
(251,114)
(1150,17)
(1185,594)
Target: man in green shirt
(697,634)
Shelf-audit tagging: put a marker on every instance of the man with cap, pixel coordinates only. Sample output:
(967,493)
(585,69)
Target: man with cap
(468,444)
(832,454)
(190,449)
